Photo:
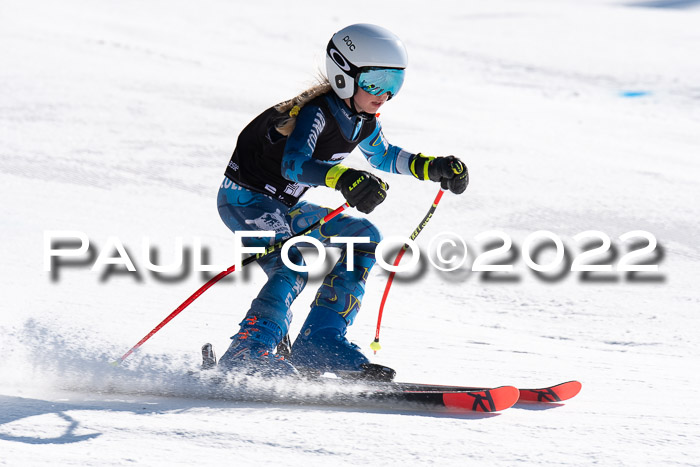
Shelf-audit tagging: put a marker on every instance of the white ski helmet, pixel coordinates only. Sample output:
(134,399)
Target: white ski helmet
(365,56)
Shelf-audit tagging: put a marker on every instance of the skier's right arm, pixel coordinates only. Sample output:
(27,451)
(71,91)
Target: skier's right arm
(361,189)
(298,164)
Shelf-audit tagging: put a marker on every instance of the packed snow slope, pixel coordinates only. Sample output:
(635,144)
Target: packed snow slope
(117,119)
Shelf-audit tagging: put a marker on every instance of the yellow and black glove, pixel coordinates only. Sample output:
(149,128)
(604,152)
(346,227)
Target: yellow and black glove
(451,172)
(361,189)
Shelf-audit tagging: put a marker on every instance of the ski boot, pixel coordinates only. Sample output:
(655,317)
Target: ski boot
(251,351)
(322,348)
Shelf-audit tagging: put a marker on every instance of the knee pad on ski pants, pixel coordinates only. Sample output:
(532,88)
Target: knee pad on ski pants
(342,290)
(304,214)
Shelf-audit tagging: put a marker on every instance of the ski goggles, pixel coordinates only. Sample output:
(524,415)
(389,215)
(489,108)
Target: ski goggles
(377,81)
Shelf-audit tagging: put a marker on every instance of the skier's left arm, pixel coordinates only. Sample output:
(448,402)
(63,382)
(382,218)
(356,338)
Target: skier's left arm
(450,171)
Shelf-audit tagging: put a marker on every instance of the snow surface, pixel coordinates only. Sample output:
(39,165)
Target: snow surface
(117,119)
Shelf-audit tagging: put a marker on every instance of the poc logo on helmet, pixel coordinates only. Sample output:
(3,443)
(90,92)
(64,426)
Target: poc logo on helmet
(349,43)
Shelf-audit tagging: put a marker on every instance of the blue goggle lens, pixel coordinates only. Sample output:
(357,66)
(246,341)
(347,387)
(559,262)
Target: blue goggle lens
(377,81)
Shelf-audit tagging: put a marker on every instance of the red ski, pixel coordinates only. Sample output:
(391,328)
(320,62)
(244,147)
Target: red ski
(558,393)
(489,400)
(454,398)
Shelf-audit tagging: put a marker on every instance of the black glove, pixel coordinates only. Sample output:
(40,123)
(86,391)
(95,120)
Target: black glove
(361,189)
(451,172)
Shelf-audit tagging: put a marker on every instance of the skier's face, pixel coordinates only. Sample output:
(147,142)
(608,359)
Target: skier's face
(366,102)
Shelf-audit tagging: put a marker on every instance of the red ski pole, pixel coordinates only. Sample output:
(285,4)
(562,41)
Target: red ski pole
(222,274)
(375,344)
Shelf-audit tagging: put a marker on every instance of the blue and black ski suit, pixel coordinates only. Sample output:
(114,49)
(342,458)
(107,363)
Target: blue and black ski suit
(265,179)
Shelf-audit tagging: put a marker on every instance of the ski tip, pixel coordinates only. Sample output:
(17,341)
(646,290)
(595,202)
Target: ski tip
(557,393)
(484,400)
(574,387)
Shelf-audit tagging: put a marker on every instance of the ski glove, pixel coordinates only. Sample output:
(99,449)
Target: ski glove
(451,172)
(361,189)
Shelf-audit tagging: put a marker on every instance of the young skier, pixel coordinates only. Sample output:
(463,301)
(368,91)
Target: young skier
(300,144)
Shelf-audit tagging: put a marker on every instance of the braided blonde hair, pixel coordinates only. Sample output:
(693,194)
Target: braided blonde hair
(292,106)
